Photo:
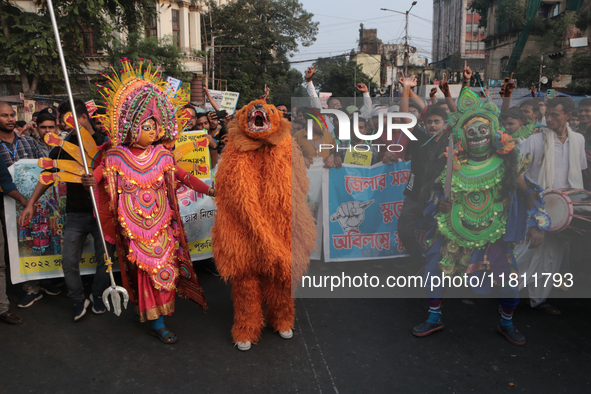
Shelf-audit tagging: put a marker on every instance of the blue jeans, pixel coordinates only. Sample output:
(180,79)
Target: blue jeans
(78,226)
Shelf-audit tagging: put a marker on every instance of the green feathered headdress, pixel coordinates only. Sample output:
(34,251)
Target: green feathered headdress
(470,106)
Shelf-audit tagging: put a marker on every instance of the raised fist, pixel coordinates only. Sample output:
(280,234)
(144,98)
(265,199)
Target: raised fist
(350,214)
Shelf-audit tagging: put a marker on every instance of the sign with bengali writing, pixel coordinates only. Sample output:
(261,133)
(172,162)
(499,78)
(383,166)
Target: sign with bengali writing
(229,102)
(217,96)
(224,99)
(359,158)
(35,250)
(196,161)
(198,210)
(361,211)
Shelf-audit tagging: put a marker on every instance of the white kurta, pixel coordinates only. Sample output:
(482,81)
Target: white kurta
(534,145)
(547,257)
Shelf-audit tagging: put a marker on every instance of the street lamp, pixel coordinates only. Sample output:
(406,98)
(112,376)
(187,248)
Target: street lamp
(212,61)
(406,36)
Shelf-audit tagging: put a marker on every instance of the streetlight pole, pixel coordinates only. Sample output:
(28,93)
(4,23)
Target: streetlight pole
(406,51)
(212,58)
(541,72)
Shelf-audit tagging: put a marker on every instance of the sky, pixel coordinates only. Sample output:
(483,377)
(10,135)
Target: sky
(338,30)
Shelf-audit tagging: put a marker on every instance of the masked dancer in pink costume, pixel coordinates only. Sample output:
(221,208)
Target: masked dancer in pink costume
(137,182)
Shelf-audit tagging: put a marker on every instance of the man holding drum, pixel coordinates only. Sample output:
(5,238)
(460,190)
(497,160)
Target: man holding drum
(557,162)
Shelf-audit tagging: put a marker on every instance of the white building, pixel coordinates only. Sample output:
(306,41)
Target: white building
(456,32)
(180,20)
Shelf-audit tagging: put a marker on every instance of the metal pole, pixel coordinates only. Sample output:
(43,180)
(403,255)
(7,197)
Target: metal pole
(355,92)
(212,66)
(392,84)
(406,47)
(81,145)
(541,71)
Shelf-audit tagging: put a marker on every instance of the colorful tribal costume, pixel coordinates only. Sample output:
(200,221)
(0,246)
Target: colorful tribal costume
(474,239)
(264,231)
(138,177)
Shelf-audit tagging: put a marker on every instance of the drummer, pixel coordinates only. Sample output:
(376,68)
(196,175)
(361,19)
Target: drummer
(555,165)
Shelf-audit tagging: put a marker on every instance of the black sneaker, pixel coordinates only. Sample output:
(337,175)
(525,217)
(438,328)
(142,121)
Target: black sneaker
(29,299)
(80,309)
(422,330)
(50,289)
(98,306)
(512,335)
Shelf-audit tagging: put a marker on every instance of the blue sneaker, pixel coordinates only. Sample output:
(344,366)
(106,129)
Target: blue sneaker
(512,335)
(79,309)
(98,306)
(422,330)
(29,299)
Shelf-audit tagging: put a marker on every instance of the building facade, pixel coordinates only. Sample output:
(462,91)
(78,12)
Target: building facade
(179,20)
(507,43)
(383,63)
(456,36)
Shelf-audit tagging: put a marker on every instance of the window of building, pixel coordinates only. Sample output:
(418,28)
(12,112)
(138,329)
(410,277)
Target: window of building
(481,45)
(89,42)
(152,28)
(469,28)
(176,27)
(548,10)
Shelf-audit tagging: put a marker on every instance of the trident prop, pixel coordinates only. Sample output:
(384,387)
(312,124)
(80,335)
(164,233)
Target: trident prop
(114,291)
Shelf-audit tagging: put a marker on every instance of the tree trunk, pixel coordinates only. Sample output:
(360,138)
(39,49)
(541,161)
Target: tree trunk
(27,91)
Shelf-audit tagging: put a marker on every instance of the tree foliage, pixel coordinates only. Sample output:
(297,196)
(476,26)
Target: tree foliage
(581,72)
(28,43)
(553,31)
(512,13)
(528,70)
(162,52)
(269,32)
(337,75)
(480,7)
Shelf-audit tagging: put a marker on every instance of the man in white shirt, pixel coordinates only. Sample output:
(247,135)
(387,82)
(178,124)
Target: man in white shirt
(557,161)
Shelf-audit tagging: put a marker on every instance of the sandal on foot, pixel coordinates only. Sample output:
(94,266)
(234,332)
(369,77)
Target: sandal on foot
(164,335)
(549,309)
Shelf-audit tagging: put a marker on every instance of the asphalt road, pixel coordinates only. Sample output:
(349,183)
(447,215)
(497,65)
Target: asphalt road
(339,346)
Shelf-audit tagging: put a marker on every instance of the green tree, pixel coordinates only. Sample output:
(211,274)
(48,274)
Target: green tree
(269,32)
(162,52)
(528,70)
(29,47)
(337,75)
(479,7)
(581,72)
(512,13)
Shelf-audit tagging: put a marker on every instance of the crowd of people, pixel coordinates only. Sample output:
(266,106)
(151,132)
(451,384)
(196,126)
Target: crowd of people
(552,134)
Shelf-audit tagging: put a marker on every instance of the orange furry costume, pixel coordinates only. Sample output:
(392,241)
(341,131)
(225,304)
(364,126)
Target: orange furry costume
(261,188)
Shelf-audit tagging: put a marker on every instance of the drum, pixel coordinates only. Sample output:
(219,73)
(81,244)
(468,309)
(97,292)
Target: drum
(569,211)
